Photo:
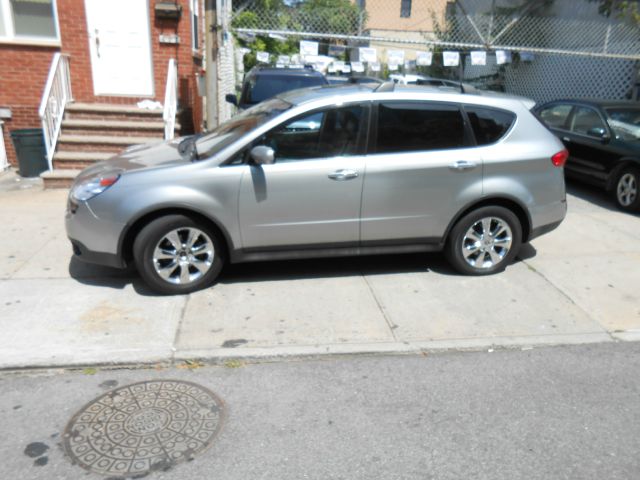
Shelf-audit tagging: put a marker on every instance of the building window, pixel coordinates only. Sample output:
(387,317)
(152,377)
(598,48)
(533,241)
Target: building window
(32,20)
(405,8)
(195,25)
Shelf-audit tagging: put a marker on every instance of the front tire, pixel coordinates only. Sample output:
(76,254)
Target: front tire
(484,241)
(626,191)
(176,255)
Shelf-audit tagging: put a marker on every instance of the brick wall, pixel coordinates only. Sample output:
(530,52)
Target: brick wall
(24,69)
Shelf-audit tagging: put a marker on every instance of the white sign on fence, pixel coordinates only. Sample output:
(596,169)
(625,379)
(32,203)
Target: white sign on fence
(424,59)
(395,57)
(451,59)
(357,67)
(308,48)
(479,58)
(262,57)
(503,56)
(375,66)
(368,55)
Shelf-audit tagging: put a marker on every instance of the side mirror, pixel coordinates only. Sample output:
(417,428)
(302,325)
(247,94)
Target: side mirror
(600,133)
(232,99)
(262,155)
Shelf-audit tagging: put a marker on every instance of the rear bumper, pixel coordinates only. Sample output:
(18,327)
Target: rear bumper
(547,218)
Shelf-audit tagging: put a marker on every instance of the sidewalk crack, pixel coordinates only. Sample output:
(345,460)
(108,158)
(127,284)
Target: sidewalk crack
(390,324)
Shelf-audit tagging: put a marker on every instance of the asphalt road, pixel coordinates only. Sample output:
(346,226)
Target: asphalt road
(551,413)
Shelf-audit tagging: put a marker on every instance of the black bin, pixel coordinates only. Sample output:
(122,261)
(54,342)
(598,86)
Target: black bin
(31,152)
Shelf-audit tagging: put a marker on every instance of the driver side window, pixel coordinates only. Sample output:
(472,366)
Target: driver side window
(327,133)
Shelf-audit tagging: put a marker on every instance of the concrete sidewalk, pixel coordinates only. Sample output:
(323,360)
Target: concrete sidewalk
(578,284)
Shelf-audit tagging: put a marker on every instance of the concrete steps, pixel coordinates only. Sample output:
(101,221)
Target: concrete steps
(95,132)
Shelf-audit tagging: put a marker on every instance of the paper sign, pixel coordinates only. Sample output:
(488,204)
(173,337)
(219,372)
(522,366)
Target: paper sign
(339,65)
(357,67)
(308,48)
(263,57)
(368,55)
(375,66)
(424,58)
(451,59)
(284,59)
(503,56)
(346,68)
(336,50)
(479,58)
(395,56)
(393,67)
(331,68)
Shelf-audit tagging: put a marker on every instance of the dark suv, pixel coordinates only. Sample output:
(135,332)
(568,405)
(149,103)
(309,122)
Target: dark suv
(603,139)
(262,83)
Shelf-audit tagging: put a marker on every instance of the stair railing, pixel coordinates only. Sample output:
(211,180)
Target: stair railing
(57,93)
(170,101)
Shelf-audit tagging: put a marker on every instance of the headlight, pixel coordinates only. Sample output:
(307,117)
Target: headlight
(92,186)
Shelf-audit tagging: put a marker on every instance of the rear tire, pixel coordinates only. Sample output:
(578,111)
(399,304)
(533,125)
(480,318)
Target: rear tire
(176,255)
(484,241)
(626,190)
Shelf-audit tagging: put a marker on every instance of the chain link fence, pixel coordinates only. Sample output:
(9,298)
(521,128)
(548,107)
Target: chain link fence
(554,48)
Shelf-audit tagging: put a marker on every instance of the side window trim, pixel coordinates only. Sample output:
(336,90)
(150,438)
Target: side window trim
(574,111)
(567,122)
(468,138)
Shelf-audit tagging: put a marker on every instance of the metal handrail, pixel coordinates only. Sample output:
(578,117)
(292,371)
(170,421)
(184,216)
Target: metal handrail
(57,93)
(170,101)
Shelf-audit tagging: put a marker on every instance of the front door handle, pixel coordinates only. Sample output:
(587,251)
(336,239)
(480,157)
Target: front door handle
(343,174)
(463,165)
(566,139)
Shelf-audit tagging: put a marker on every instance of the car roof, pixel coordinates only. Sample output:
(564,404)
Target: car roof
(593,102)
(389,91)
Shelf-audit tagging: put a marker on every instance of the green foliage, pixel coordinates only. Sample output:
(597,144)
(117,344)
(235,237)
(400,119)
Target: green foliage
(627,10)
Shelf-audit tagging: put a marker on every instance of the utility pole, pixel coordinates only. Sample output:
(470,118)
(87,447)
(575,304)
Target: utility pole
(211,78)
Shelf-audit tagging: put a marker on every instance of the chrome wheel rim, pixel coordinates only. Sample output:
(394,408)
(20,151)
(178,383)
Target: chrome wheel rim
(487,243)
(627,189)
(183,256)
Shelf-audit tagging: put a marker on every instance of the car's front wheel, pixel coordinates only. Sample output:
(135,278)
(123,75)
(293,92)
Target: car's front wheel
(176,255)
(626,192)
(484,241)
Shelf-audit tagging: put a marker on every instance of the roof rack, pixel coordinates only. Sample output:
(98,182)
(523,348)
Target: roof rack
(386,87)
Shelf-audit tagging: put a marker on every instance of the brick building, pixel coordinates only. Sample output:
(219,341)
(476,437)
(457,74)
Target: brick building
(118,52)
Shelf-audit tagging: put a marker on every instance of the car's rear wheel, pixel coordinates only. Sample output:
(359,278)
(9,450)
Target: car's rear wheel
(484,241)
(626,192)
(175,255)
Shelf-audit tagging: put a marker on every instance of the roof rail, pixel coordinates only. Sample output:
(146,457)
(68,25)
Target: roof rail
(386,87)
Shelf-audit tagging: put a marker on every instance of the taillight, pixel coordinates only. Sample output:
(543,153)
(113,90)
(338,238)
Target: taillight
(560,158)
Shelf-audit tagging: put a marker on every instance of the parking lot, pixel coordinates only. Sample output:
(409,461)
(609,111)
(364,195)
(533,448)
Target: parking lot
(575,285)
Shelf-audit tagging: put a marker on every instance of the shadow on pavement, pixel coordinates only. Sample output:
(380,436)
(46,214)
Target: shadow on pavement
(99,276)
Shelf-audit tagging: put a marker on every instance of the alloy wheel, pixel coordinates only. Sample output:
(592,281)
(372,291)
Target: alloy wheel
(487,242)
(183,255)
(627,190)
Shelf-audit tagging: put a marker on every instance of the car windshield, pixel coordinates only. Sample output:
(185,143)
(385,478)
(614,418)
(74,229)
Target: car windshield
(625,122)
(263,87)
(230,131)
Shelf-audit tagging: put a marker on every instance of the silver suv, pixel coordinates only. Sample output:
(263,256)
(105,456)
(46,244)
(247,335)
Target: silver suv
(327,171)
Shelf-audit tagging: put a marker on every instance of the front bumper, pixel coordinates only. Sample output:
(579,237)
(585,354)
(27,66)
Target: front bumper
(93,239)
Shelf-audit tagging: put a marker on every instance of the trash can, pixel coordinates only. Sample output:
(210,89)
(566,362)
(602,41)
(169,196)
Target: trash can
(32,155)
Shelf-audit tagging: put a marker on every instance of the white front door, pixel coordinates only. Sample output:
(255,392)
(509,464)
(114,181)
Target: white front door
(120,45)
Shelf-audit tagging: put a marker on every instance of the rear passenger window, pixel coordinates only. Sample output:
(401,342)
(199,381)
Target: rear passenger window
(410,127)
(556,115)
(489,125)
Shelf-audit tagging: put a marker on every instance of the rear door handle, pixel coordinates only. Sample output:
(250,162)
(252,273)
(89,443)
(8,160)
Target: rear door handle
(566,139)
(463,165)
(343,174)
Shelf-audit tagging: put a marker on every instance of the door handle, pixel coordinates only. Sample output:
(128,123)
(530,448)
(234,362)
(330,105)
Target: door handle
(463,165)
(566,139)
(343,174)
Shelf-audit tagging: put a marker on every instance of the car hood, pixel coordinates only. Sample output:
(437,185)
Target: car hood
(150,155)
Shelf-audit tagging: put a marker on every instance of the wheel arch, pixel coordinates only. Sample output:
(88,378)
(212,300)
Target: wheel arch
(509,203)
(125,244)
(613,175)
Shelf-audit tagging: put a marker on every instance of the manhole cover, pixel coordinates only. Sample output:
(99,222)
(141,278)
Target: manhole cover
(143,427)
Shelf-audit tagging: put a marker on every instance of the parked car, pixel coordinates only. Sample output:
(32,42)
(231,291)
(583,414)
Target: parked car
(603,139)
(473,175)
(262,83)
